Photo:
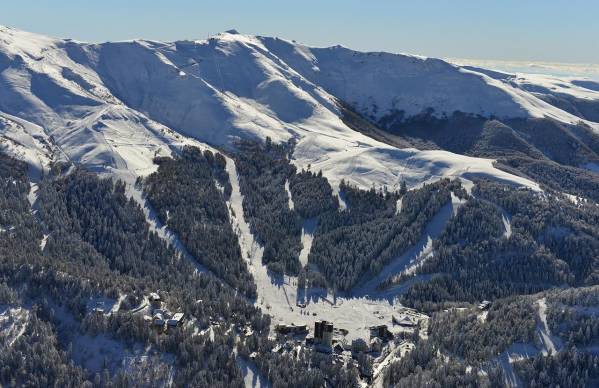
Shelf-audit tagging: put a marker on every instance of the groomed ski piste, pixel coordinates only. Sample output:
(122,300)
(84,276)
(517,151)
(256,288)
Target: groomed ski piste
(279,296)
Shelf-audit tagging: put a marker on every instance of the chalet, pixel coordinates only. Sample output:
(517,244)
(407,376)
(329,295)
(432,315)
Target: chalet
(158,319)
(485,304)
(292,329)
(405,321)
(175,320)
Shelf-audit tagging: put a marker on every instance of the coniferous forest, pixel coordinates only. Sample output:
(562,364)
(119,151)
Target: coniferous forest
(83,238)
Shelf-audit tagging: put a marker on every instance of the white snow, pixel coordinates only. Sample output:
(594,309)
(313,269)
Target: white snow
(43,242)
(13,323)
(378,83)
(546,84)
(399,205)
(550,343)
(511,380)
(278,295)
(407,262)
(251,376)
(507,223)
(340,197)
(308,230)
(113,107)
(534,106)
(28,142)
(32,196)
(289,196)
(250,249)
(61,104)
(482,317)
(396,353)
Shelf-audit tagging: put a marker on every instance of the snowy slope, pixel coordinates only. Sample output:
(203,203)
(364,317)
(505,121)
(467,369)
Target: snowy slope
(545,84)
(52,108)
(378,83)
(114,106)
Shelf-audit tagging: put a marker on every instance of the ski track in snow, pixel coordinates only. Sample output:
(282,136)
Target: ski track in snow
(342,202)
(250,249)
(33,195)
(251,375)
(308,229)
(43,242)
(289,196)
(13,323)
(399,205)
(510,378)
(409,260)
(396,353)
(551,344)
(278,295)
(507,224)
(506,219)
(172,239)
(516,352)
(162,230)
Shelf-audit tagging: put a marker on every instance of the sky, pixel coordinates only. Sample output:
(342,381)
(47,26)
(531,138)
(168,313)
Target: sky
(508,30)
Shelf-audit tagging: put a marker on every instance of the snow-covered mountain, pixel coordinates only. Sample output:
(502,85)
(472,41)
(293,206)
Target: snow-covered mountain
(113,106)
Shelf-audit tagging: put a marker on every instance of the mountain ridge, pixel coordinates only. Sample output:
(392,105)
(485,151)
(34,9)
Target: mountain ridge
(115,105)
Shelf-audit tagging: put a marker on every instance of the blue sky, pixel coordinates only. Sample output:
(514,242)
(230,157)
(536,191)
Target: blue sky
(522,30)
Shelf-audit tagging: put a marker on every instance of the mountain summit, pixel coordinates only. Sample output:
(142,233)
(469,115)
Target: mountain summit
(114,106)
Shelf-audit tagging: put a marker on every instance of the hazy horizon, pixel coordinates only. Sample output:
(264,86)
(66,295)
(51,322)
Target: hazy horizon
(532,31)
(560,69)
